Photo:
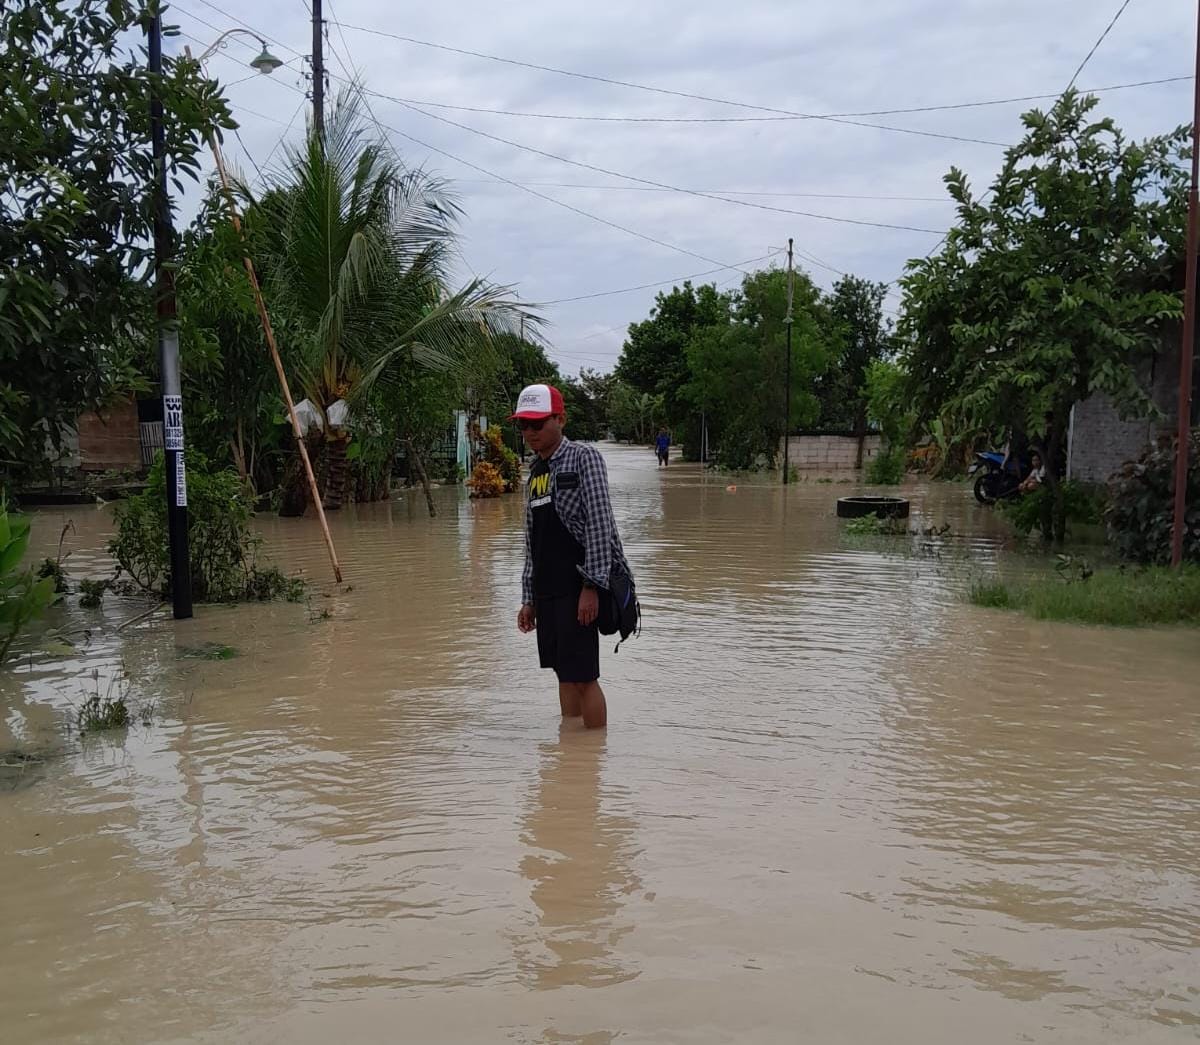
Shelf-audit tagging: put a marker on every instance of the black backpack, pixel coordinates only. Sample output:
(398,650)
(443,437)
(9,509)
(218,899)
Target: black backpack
(620,611)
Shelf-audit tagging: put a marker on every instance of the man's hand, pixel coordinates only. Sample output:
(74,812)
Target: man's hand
(589,606)
(526,618)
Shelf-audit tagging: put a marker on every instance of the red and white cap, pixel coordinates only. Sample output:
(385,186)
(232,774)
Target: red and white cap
(538,401)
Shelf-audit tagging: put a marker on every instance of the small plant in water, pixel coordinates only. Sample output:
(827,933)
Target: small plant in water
(53,568)
(1073,568)
(873,526)
(99,714)
(110,709)
(91,593)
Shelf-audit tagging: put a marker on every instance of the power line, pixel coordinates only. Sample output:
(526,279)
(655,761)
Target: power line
(660,90)
(585,118)
(659,184)
(241,22)
(1087,58)
(541,195)
(238,134)
(499,177)
(556,202)
(287,130)
(660,283)
(725,192)
(1096,45)
(254,75)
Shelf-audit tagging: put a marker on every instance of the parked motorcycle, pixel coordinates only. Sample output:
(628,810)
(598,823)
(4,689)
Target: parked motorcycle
(994,481)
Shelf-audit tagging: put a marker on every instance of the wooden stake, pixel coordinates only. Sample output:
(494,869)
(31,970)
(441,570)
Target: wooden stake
(283,384)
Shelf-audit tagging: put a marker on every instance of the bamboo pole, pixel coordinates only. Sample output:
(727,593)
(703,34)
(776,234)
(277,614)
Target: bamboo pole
(235,218)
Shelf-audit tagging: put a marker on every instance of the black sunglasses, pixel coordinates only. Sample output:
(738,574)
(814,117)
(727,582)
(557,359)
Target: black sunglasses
(524,423)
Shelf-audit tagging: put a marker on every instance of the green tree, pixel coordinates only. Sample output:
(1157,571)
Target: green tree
(1055,287)
(634,415)
(235,408)
(654,359)
(521,362)
(357,250)
(861,337)
(738,366)
(586,399)
(75,231)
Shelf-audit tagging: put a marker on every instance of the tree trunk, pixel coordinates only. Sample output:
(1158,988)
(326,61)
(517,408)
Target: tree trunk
(293,500)
(418,466)
(336,475)
(860,430)
(1053,522)
(238,447)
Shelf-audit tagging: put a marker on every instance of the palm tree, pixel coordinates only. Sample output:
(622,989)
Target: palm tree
(357,249)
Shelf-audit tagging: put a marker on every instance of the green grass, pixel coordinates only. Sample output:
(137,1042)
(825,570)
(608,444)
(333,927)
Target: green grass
(1118,597)
(100,714)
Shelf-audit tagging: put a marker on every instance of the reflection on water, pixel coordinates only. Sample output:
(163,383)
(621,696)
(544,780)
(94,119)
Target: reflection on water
(578,864)
(834,803)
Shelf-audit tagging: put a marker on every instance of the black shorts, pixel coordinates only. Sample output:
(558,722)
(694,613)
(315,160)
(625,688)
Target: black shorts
(572,650)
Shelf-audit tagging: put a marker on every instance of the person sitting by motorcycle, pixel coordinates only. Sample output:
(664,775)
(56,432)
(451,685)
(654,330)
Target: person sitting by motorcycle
(1037,473)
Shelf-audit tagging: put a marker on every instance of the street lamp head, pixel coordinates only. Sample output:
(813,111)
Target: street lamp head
(266,62)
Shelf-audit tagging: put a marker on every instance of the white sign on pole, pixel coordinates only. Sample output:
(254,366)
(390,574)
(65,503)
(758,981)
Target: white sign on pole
(180,483)
(172,422)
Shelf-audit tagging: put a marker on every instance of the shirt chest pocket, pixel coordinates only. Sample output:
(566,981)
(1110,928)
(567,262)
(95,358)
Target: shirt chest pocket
(568,497)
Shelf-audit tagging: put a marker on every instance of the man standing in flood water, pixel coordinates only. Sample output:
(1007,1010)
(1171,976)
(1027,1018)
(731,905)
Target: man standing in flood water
(571,550)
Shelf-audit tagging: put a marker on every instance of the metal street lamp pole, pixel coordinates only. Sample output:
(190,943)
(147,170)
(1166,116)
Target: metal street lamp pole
(168,343)
(168,323)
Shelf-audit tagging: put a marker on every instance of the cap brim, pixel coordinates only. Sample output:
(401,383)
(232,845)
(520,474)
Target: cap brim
(531,415)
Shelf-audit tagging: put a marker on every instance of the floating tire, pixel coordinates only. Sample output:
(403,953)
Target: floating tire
(883,507)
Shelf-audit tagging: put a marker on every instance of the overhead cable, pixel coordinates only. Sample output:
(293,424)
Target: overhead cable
(660,90)
(587,118)
(663,185)
(660,283)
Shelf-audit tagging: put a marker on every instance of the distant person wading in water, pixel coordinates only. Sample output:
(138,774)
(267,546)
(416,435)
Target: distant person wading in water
(571,550)
(662,448)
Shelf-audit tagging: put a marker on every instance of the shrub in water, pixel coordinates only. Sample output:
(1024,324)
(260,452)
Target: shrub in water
(507,463)
(886,468)
(486,480)
(1140,513)
(91,593)
(1084,504)
(222,550)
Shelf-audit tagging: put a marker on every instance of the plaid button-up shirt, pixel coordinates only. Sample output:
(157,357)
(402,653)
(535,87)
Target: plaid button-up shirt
(586,511)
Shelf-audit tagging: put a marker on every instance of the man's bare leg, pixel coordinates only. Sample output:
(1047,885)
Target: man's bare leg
(593,705)
(569,698)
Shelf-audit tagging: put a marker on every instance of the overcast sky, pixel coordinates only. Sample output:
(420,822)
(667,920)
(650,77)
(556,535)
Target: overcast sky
(820,56)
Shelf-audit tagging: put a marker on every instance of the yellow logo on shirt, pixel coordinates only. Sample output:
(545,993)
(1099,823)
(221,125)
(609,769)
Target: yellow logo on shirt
(539,485)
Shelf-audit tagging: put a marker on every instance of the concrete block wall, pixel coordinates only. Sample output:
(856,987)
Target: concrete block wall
(1101,442)
(829,453)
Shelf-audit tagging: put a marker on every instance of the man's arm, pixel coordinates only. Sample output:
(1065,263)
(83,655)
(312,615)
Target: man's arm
(599,525)
(527,571)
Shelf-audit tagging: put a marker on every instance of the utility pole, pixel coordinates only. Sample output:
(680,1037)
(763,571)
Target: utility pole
(787,381)
(1189,333)
(318,71)
(168,341)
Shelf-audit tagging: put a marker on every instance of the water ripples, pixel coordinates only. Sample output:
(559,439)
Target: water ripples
(826,777)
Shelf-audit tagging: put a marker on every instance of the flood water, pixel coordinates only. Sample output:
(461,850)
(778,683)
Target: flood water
(834,803)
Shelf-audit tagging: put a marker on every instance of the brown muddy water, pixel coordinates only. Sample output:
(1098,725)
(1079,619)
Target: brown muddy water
(834,804)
